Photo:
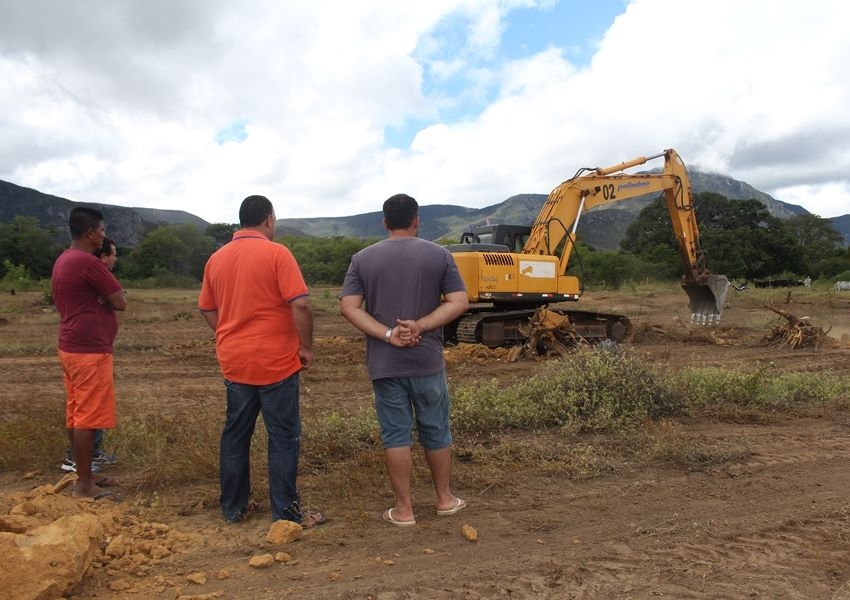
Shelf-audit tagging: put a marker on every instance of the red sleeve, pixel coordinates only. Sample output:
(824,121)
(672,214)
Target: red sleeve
(102,279)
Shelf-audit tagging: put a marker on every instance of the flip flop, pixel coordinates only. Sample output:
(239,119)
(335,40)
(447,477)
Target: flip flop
(106,482)
(315,519)
(388,517)
(460,504)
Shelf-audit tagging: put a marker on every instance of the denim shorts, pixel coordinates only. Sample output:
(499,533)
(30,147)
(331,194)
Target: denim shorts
(402,402)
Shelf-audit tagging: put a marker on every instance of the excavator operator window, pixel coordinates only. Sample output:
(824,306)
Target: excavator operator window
(516,241)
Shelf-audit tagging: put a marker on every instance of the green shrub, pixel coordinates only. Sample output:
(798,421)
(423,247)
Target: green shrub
(715,390)
(594,389)
(162,279)
(808,390)
(615,389)
(17,278)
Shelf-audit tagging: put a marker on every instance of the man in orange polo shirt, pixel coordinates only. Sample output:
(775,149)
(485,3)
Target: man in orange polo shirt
(255,299)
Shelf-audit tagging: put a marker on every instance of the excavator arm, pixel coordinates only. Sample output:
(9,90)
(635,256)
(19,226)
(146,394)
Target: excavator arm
(553,232)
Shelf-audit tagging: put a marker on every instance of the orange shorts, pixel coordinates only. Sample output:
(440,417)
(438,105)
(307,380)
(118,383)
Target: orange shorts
(90,390)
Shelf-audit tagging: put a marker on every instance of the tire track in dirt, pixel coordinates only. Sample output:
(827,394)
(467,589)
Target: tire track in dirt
(772,563)
(746,546)
(777,448)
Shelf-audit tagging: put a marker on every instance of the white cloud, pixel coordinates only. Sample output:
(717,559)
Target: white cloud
(829,198)
(125,103)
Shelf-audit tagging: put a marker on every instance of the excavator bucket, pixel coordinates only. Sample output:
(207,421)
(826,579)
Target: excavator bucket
(707,298)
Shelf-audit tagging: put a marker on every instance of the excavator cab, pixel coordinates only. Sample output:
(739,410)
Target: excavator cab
(513,237)
(707,298)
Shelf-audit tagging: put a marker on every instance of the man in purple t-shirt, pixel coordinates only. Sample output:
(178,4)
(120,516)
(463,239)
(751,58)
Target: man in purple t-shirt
(400,292)
(86,294)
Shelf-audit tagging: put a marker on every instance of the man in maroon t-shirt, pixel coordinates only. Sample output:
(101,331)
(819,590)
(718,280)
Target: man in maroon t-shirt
(86,295)
(108,253)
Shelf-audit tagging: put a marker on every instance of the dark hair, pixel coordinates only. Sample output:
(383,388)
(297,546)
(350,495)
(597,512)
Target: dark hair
(399,211)
(105,249)
(254,210)
(82,219)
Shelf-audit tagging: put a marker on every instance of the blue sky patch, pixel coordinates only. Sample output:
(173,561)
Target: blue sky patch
(235,132)
(575,26)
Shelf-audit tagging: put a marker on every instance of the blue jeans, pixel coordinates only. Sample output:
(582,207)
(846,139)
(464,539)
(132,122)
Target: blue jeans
(281,415)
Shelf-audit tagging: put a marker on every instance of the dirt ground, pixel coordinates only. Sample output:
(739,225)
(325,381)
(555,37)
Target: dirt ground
(772,522)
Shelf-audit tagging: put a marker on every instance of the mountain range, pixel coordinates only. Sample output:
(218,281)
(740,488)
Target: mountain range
(127,226)
(602,227)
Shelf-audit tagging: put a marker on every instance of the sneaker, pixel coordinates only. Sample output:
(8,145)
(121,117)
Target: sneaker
(70,466)
(102,458)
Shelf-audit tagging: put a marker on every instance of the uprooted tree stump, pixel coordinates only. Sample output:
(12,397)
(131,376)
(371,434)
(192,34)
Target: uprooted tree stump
(550,332)
(796,333)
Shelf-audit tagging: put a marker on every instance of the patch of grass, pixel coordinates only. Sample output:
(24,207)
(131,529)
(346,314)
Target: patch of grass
(544,452)
(337,437)
(594,389)
(170,449)
(325,300)
(183,448)
(32,439)
(664,441)
(24,347)
(732,393)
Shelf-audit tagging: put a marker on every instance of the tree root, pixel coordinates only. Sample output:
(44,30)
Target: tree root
(798,332)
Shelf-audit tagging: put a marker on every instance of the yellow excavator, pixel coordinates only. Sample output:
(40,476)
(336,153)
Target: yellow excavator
(511,271)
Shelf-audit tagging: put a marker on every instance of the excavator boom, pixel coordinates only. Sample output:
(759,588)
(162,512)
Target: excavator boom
(556,225)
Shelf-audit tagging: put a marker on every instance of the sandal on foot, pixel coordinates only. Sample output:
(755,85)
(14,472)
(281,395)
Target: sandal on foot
(388,517)
(312,519)
(460,504)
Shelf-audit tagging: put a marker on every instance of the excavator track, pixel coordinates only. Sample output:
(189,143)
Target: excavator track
(510,328)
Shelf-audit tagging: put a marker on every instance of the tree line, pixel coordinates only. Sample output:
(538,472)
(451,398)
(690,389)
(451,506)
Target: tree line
(741,239)
(168,256)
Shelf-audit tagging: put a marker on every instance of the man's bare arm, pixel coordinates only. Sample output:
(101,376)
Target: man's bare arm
(352,309)
(302,313)
(117,300)
(453,306)
(211,317)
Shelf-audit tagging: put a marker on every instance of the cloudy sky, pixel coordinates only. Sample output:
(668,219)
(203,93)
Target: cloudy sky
(328,107)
